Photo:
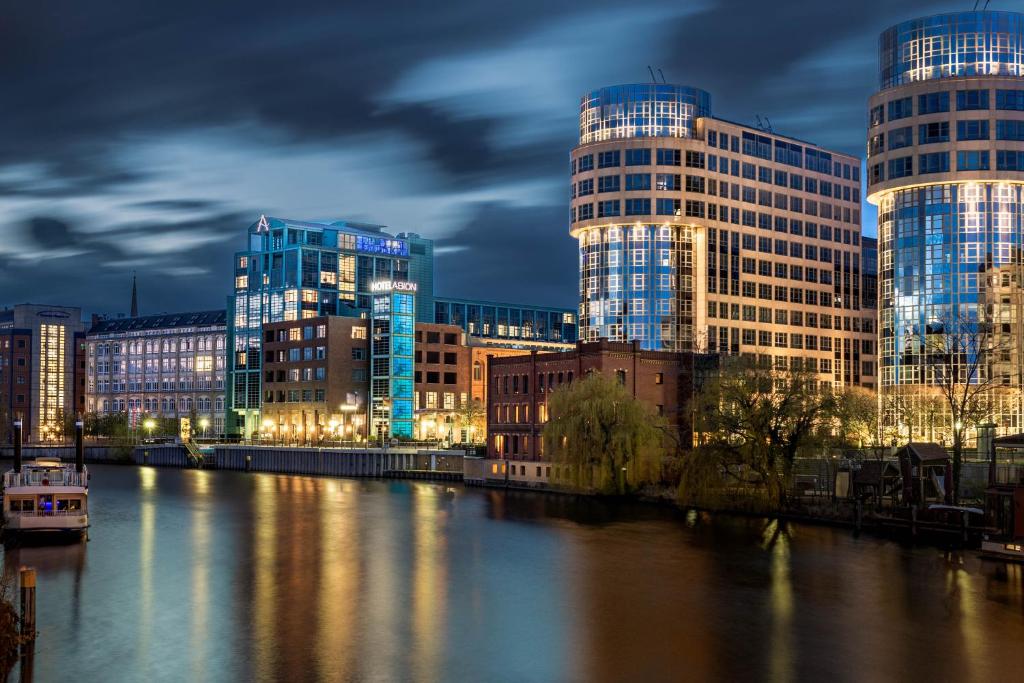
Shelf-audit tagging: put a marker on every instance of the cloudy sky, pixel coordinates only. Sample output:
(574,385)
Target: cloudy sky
(147,135)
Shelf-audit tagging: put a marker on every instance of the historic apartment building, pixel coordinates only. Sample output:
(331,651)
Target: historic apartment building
(946,170)
(41,360)
(170,365)
(317,375)
(699,234)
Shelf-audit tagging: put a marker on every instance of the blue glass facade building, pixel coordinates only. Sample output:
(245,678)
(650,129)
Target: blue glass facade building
(507,322)
(944,153)
(292,270)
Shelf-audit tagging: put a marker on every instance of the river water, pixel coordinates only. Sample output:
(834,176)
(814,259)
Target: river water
(222,576)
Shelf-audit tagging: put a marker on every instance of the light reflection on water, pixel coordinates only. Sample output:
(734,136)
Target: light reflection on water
(225,576)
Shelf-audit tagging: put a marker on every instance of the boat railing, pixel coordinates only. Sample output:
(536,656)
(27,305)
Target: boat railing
(45,513)
(63,477)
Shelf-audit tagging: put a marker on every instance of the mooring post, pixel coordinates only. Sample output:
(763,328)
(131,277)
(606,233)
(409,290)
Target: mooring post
(28,604)
(17,446)
(79,446)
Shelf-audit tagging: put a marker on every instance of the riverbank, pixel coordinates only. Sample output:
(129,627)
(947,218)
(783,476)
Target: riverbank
(456,466)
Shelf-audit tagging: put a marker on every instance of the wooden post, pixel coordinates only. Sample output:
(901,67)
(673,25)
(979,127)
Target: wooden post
(28,603)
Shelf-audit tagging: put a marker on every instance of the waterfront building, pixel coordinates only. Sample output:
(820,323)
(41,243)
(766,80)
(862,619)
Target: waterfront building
(170,365)
(506,322)
(317,381)
(295,270)
(699,234)
(519,386)
(41,381)
(946,169)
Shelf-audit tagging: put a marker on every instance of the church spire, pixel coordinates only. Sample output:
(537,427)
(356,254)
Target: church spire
(135,297)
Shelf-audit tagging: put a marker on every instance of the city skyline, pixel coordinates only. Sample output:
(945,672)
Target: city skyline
(458,127)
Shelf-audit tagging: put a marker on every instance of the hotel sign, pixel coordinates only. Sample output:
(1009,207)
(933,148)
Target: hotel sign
(392,286)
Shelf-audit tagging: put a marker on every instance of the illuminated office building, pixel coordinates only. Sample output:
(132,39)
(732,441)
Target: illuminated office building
(946,169)
(292,270)
(503,322)
(41,383)
(696,233)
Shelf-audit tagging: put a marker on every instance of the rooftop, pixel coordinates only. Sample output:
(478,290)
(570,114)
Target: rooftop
(160,321)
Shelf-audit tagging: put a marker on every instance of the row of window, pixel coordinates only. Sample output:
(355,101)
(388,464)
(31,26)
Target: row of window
(938,102)
(120,386)
(185,404)
(790,318)
(170,345)
(939,131)
(938,162)
(695,208)
(724,166)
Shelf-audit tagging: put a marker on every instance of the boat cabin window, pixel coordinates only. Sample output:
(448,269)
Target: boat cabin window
(23,504)
(68,504)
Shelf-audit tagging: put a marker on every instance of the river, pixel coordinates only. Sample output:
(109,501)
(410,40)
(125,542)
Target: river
(223,576)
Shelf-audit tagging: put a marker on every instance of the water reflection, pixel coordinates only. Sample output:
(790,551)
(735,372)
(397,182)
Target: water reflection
(196,575)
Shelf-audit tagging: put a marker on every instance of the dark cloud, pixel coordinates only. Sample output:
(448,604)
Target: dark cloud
(510,254)
(88,84)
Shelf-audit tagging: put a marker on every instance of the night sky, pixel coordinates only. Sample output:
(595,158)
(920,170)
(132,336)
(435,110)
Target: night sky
(148,135)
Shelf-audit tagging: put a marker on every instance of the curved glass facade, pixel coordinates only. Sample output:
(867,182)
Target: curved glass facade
(951,45)
(636,282)
(641,110)
(950,257)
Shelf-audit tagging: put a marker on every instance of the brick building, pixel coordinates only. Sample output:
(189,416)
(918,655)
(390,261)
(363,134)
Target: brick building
(41,360)
(316,380)
(518,388)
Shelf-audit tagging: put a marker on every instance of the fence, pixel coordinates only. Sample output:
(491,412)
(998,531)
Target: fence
(371,462)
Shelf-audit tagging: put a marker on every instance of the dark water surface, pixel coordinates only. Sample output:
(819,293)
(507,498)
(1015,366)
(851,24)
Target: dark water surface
(220,576)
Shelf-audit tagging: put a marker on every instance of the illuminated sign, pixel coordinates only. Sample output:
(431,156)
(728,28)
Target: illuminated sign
(392,286)
(381,245)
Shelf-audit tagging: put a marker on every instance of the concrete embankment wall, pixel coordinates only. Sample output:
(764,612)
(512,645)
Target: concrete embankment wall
(316,461)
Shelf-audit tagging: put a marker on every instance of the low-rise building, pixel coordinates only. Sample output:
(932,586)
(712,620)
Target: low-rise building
(519,388)
(317,375)
(170,365)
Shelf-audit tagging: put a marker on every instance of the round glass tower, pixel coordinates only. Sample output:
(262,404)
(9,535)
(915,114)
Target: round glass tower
(634,231)
(946,169)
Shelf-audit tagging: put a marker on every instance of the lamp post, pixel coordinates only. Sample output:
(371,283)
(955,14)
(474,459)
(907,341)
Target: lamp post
(346,409)
(204,424)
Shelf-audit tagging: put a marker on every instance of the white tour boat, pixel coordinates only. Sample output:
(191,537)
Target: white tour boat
(46,495)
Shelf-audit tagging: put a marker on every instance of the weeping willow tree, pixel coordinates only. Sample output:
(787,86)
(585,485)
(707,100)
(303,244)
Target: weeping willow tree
(609,440)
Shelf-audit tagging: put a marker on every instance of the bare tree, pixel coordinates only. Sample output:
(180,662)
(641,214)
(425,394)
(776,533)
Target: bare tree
(753,422)
(960,359)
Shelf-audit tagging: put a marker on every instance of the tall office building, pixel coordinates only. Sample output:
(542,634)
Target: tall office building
(41,369)
(696,233)
(946,169)
(293,270)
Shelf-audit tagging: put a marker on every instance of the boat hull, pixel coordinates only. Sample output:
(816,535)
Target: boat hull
(1011,551)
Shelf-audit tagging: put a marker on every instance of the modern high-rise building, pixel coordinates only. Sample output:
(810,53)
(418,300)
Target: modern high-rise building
(696,233)
(292,270)
(41,378)
(946,169)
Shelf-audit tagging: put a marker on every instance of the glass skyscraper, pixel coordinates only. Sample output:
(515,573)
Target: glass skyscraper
(946,169)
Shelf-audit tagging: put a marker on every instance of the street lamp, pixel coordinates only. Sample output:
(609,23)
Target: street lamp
(149,424)
(204,424)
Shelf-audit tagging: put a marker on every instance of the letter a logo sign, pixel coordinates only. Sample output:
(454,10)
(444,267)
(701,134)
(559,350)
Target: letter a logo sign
(262,225)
